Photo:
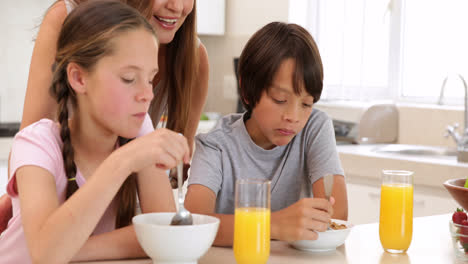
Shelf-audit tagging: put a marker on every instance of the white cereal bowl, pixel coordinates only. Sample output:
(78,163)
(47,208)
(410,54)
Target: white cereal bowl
(166,244)
(327,241)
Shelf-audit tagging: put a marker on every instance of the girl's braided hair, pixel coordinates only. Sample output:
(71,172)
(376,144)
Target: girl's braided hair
(85,38)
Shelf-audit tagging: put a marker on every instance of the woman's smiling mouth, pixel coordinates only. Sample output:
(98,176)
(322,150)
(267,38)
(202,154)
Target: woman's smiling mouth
(166,22)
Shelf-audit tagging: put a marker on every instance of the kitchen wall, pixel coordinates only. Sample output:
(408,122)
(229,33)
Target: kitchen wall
(19,21)
(243,18)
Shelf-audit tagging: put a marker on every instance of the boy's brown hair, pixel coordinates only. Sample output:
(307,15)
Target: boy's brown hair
(264,53)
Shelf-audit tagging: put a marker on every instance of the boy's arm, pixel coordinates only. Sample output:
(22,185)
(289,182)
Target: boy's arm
(340,208)
(202,200)
(296,222)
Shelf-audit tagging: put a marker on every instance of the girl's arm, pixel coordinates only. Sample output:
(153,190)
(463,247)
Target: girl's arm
(340,208)
(121,243)
(155,195)
(5,211)
(199,94)
(154,191)
(56,232)
(38,103)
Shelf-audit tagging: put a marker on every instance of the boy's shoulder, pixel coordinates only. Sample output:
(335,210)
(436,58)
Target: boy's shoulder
(317,118)
(318,122)
(226,129)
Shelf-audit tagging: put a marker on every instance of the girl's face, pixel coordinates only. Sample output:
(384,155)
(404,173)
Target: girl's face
(280,113)
(168,17)
(119,88)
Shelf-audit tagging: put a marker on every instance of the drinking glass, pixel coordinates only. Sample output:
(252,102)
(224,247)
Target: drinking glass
(396,210)
(252,221)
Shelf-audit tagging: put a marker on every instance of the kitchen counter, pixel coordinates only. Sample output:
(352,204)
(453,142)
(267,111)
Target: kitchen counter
(431,244)
(362,161)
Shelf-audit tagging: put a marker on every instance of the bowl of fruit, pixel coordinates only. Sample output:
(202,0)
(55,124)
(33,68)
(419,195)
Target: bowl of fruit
(459,232)
(458,189)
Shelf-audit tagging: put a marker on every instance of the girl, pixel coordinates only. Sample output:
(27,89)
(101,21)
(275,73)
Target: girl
(73,184)
(180,86)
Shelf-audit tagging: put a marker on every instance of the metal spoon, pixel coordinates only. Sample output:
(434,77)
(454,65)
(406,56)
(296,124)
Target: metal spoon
(183,216)
(328,184)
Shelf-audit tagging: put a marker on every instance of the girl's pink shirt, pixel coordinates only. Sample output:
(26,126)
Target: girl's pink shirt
(40,145)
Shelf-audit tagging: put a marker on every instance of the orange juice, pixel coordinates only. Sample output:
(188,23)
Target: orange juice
(251,235)
(396,216)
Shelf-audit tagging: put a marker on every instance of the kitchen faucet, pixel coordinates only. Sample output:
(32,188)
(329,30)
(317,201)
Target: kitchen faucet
(461,140)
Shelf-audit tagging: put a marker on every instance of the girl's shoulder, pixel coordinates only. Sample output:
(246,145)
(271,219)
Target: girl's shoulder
(38,144)
(44,130)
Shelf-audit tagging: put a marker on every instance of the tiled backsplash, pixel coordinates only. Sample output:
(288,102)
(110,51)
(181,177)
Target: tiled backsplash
(418,124)
(426,125)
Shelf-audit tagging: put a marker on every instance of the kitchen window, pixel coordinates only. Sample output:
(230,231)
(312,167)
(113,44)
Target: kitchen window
(380,49)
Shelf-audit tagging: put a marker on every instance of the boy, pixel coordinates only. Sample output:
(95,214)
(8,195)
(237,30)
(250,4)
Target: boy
(280,137)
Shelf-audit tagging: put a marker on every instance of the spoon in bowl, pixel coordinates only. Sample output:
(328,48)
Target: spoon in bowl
(183,216)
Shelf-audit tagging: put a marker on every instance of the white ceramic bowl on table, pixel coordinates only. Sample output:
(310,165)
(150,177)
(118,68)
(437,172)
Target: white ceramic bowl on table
(327,241)
(167,244)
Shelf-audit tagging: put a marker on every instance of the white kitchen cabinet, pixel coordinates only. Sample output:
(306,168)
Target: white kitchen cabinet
(211,17)
(364,202)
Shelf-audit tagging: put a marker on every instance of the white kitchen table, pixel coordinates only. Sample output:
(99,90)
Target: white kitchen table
(431,244)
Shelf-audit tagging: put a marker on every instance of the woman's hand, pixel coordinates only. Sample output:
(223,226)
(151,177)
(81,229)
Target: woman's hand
(301,220)
(162,148)
(5,211)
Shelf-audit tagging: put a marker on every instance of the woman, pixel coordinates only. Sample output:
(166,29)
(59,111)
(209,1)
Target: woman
(180,87)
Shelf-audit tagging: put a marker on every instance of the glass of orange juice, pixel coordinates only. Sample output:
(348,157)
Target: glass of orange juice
(396,210)
(252,221)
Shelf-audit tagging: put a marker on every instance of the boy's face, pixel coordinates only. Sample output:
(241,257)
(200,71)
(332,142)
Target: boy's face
(280,113)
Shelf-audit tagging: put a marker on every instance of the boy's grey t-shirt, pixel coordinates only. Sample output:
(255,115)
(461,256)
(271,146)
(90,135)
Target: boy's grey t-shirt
(227,153)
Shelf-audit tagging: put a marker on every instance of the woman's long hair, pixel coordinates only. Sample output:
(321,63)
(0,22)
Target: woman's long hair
(85,38)
(144,6)
(181,74)
(181,69)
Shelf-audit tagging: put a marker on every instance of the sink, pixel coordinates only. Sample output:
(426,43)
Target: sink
(416,150)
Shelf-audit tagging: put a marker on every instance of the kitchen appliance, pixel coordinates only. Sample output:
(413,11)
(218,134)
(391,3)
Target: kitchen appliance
(363,123)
